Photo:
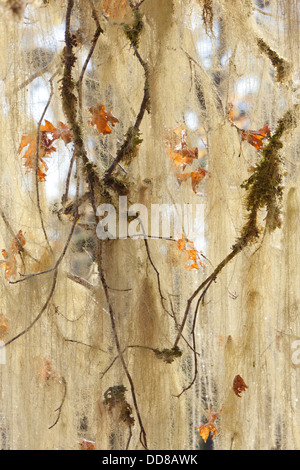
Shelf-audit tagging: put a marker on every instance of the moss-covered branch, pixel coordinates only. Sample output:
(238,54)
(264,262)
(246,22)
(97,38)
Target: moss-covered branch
(264,191)
(279,63)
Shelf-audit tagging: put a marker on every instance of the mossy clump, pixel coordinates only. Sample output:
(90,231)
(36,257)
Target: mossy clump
(265,186)
(114,397)
(133,31)
(131,145)
(168,355)
(281,65)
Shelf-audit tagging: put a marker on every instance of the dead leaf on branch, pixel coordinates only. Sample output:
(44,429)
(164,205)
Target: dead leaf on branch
(210,426)
(191,256)
(100,118)
(48,134)
(177,148)
(9,262)
(195,176)
(254,138)
(179,152)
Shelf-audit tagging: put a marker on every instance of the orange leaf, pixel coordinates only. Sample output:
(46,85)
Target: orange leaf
(3,327)
(48,134)
(189,254)
(196,178)
(116,9)
(210,426)
(14,244)
(48,127)
(62,132)
(239,385)
(255,138)
(44,370)
(87,445)
(101,118)
(177,148)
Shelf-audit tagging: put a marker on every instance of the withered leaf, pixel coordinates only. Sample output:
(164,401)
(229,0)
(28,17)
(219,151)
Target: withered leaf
(239,385)
(101,118)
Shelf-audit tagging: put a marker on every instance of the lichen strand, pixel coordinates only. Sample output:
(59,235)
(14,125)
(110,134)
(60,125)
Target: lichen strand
(264,187)
(207,15)
(281,65)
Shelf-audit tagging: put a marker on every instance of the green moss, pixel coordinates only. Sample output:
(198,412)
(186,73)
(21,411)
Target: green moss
(265,186)
(281,65)
(133,32)
(115,397)
(168,355)
(131,145)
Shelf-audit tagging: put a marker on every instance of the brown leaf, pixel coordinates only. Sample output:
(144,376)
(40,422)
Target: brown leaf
(254,138)
(101,118)
(3,327)
(9,264)
(191,256)
(210,426)
(87,445)
(177,148)
(196,178)
(239,385)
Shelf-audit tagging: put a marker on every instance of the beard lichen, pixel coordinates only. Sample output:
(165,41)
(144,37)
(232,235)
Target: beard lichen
(265,186)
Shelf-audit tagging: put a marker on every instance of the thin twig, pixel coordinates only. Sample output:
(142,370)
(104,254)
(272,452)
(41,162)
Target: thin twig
(38,157)
(143,438)
(38,316)
(59,409)
(98,31)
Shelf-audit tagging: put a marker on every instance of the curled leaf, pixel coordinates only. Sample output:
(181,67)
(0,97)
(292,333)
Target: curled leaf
(177,148)
(254,138)
(3,327)
(101,118)
(191,256)
(239,385)
(210,426)
(87,445)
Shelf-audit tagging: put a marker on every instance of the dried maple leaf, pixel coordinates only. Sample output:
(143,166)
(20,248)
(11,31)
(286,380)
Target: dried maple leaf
(101,118)
(210,426)
(191,256)
(30,155)
(3,327)
(254,138)
(196,178)
(9,264)
(239,385)
(177,148)
(62,131)
(87,445)
(15,247)
(48,134)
